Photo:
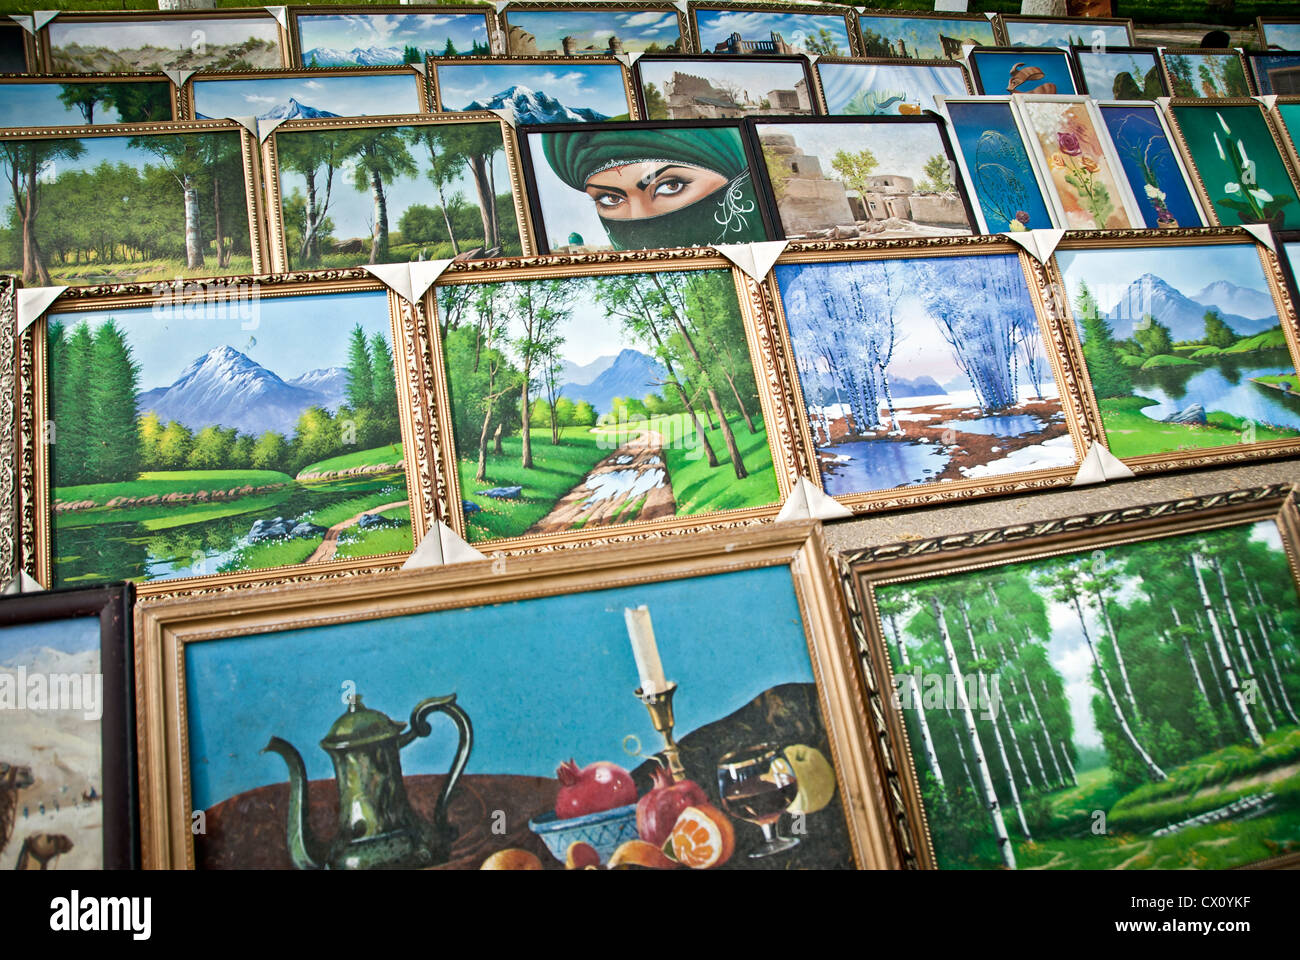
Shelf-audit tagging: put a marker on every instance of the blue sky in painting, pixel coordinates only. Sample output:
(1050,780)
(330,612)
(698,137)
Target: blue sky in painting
(168,35)
(67,636)
(542,680)
(1101,69)
(428,32)
(1065,34)
(1001,176)
(37,104)
(715,26)
(575,84)
(843,82)
(637,29)
(993,69)
(1187,269)
(341,95)
(1137,135)
(921,34)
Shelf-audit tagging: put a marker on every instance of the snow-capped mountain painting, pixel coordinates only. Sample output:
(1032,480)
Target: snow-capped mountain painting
(342,95)
(385,39)
(537,93)
(531,106)
(632,374)
(356,57)
(330,382)
(1184,315)
(292,110)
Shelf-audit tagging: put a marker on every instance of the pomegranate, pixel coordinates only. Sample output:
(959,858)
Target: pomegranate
(659,809)
(596,787)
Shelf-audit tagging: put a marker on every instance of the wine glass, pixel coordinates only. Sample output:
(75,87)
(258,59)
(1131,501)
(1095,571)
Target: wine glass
(758,784)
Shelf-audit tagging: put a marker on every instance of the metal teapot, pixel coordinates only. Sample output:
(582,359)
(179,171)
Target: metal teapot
(377,827)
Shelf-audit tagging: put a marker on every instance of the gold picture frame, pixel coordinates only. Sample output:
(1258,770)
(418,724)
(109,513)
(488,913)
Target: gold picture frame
(76,79)
(575,11)
(188,97)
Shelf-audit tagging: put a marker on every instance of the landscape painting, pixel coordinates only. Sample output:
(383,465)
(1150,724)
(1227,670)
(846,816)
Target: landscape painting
(296,98)
(745,706)
(123,209)
(869,180)
(1001,175)
(1280,34)
(685,89)
(1277,73)
(922,370)
(888,89)
(351,195)
(1200,74)
(741,31)
(536,92)
(51,766)
(1183,345)
(586,403)
(1021,71)
(1130,708)
(387,40)
(1126,74)
(74,103)
(923,38)
(152,46)
(1151,166)
(191,446)
(1065,33)
(588,31)
(1241,169)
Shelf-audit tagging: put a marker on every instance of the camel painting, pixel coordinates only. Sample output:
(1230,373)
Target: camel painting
(12,779)
(39,849)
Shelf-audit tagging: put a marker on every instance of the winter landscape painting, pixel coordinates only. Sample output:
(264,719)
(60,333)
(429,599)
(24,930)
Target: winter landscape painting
(122,209)
(1202,74)
(191,446)
(1064,33)
(386,40)
(151,46)
(888,89)
(589,403)
(70,104)
(868,179)
(1131,74)
(1021,71)
(1183,346)
(685,89)
(1131,708)
(1001,174)
(296,98)
(743,31)
(1151,166)
(925,370)
(381,194)
(923,38)
(590,31)
(536,92)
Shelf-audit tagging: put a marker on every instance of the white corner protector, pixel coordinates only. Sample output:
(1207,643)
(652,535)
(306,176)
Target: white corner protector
(1269,100)
(680,5)
(396,276)
(813,58)
(23,20)
(424,274)
(507,115)
(421,68)
(500,5)
(1039,244)
(248,123)
(807,502)
(629,59)
(179,77)
(1099,466)
(34,301)
(440,547)
(990,16)
(281,14)
(755,259)
(23,583)
(966,48)
(1164,103)
(266,127)
(41,17)
(1262,233)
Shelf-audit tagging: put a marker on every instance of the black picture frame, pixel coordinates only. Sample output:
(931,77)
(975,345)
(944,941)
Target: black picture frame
(524,133)
(725,60)
(112,606)
(928,117)
(1253,59)
(981,87)
(16,44)
(1081,82)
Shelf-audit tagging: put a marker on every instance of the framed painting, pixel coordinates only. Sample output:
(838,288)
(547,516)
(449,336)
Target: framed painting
(920,35)
(1077,160)
(1120,73)
(68,740)
(620,397)
(1108,691)
(1286,115)
(887,86)
(420,188)
(153,41)
(535,89)
(1278,33)
(721,87)
(619,688)
(1186,344)
(1151,163)
(1237,162)
(77,100)
(269,96)
(216,434)
(359,36)
(773,28)
(646,185)
(924,373)
(1039,70)
(868,178)
(1008,192)
(593,29)
(1289,255)
(1275,73)
(131,203)
(1097,33)
(1213,74)
(17,51)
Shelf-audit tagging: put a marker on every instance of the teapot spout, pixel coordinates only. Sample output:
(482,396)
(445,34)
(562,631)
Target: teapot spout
(303,849)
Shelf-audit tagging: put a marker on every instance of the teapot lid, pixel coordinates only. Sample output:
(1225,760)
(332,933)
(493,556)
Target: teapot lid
(359,725)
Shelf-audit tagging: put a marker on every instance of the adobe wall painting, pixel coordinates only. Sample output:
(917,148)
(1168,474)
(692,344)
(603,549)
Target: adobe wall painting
(708,89)
(1152,683)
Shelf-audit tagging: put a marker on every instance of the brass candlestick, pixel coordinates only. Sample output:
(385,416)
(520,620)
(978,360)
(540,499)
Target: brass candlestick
(660,706)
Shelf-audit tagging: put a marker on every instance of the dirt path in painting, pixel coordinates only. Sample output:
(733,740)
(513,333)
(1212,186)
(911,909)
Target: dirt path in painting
(330,545)
(633,473)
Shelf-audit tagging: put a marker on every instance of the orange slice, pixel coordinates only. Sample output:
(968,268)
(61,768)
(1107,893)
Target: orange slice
(702,837)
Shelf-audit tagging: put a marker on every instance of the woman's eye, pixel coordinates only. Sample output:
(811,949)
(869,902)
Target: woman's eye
(608,200)
(671,186)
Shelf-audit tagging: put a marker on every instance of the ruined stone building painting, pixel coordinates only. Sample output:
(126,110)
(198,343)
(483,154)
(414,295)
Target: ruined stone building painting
(591,32)
(749,32)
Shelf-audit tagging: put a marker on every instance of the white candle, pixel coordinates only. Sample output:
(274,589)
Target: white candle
(645,650)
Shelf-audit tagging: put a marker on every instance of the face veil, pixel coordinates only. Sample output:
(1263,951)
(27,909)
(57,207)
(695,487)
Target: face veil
(727,215)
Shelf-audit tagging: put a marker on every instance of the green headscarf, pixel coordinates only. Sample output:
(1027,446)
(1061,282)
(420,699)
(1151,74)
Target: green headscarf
(728,215)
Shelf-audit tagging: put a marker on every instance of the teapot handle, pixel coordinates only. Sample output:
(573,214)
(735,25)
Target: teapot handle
(420,728)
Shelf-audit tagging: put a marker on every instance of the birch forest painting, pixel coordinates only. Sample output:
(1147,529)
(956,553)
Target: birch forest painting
(1127,708)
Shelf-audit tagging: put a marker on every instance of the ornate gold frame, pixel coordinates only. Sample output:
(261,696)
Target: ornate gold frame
(11,435)
(1066,336)
(862,572)
(926,494)
(34,517)
(1284,134)
(174,95)
(164,630)
(186,98)
(275,211)
(435,92)
(293,38)
(579,7)
(1204,51)
(815,70)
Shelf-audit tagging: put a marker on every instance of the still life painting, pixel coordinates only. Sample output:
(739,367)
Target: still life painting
(888,89)
(1039,71)
(1131,73)
(535,92)
(742,31)
(922,370)
(1006,188)
(73,103)
(1201,74)
(1151,165)
(297,98)
(715,89)
(386,40)
(1184,346)
(585,403)
(923,38)
(588,31)
(151,46)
